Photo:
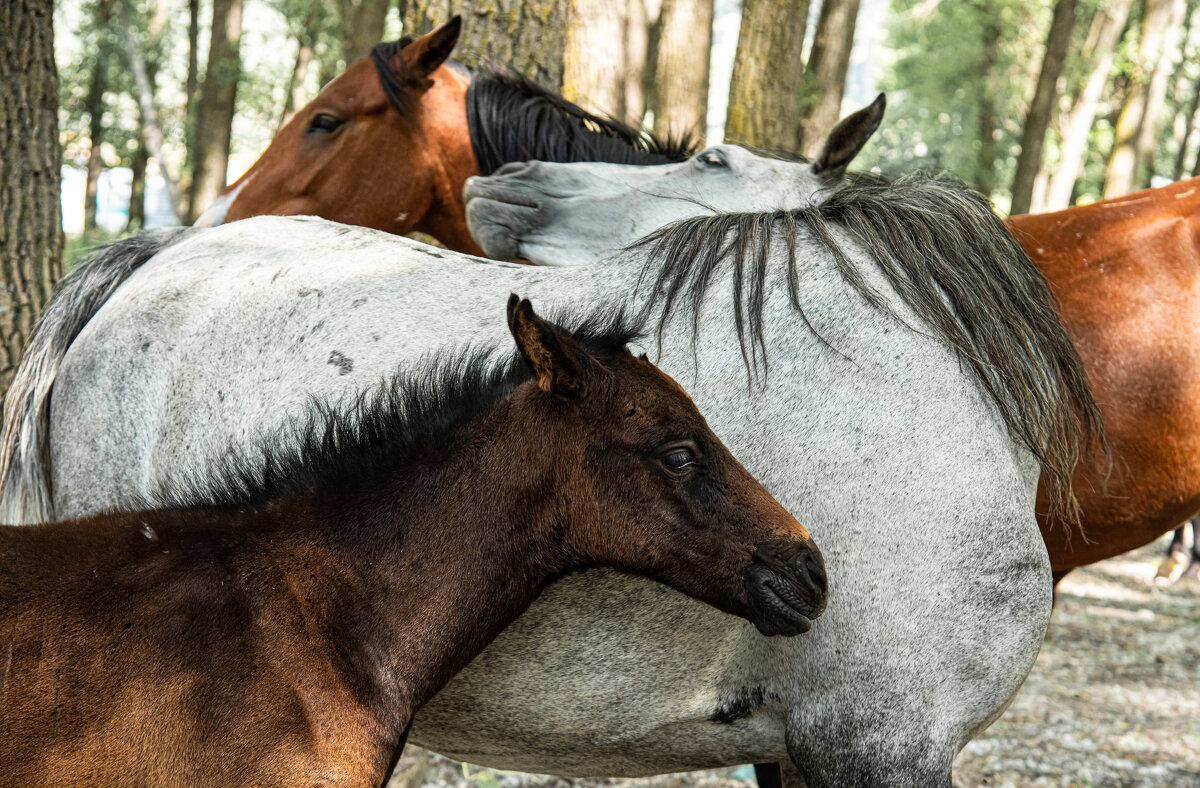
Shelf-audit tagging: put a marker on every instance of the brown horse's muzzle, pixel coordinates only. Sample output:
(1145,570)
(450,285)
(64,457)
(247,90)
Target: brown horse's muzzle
(787,586)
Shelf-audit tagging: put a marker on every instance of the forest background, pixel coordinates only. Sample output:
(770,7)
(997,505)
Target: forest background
(1038,103)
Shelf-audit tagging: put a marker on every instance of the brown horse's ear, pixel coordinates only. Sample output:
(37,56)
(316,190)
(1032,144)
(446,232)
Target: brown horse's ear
(423,56)
(848,138)
(561,366)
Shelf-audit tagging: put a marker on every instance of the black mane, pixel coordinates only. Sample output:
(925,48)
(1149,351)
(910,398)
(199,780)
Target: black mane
(512,118)
(385,427)
(948,257)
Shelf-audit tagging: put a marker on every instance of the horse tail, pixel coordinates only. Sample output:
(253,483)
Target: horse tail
(25,495)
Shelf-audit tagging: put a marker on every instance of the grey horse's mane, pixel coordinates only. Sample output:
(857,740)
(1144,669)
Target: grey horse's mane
(950,259)
(402,420)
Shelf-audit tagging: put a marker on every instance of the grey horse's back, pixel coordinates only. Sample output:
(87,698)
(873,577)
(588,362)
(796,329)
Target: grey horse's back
(24,468)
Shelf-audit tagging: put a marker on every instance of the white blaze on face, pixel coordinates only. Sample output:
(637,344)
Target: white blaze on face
(214,214)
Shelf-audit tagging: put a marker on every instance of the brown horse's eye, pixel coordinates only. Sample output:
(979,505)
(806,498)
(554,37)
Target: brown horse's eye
(679,457)
(323,123)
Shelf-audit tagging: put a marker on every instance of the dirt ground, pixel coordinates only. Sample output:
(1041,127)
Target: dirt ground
(1113,701)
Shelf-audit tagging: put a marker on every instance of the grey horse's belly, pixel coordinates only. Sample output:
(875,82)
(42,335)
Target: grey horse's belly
(613,675)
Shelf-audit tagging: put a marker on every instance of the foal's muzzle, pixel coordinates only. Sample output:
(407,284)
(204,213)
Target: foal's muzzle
(787,586)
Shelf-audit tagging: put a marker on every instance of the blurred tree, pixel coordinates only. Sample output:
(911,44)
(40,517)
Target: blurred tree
(604,54)
(156,28)
(1128,166)
(95,110)
(763,94)
(1185,108)
(528,34)
(214,116)
(1037,120)
(681,68)
(362,27)
(31,239)
(1098,51)
(824,79)
(985,165)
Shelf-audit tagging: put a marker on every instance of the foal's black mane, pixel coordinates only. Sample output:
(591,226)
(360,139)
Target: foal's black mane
(512,118)
(389,426)
(949,258)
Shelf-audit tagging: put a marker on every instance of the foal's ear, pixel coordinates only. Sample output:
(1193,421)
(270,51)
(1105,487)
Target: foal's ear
(561,366)
(423,56)
(848,138)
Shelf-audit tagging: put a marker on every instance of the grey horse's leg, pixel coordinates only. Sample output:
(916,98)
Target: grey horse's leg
(861,760)
(767,775)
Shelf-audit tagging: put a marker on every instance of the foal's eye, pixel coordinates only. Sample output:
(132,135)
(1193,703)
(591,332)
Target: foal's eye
(713,158)
(324,123)
(679,457)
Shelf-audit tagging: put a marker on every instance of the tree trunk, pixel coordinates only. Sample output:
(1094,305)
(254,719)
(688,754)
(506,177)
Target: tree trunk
(681,70)
(1038,118)
(95,162)
(604,53)
(31,239)
(294,96)
(1103,36)
(528,34)
(218,97)
(1156,97)
(362,27)
(192,98)
(1156,44)
(137,189)
(763,107)
(985,164)
(1189,123)
(825,74)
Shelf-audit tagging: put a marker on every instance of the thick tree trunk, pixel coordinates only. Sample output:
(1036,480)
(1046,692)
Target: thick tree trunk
(1129,144)
(528,34)
(1103,36)
(294,96)
(681,68)
(985,164)
(362,26)
(763,93)
(31,239)
(1037,120)
(218,97)
(825,74)
(604,53)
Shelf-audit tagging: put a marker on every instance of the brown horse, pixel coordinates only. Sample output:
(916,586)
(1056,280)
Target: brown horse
(1126,273)
(390,143)
(283,626)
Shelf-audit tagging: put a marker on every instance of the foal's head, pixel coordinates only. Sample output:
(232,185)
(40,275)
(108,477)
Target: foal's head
(648,488)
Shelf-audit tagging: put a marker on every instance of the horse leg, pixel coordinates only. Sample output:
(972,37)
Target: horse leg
(859,758)
(768,775)
(1193,570)
(1177,557)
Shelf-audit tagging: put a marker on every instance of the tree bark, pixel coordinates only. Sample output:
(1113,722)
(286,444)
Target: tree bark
(137,189)
(362,27)
(763,107)
(824,80)
(681,70)
(985,164)
(294,96)
(95,162)
(192,98)
(526,34)
(1129,144)
(604,53)
(1037,119)
(31,239)
(1156,97)
(218,97)
(1106,30)
(1184,119)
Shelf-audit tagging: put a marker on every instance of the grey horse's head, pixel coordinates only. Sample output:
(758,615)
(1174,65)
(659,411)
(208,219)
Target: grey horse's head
(571,214)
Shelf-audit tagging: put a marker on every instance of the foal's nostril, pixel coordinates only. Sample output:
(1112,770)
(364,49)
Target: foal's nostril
(814,567)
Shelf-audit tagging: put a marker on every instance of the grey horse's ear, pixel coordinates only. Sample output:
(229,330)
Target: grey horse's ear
(848,138)
(560,365)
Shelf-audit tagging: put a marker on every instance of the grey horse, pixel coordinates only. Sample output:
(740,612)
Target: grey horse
(837,376)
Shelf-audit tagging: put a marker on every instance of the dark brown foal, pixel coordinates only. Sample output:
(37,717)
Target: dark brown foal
(282,626)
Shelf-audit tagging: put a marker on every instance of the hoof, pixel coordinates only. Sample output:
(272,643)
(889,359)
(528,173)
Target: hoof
(1191,574)
(1172,568)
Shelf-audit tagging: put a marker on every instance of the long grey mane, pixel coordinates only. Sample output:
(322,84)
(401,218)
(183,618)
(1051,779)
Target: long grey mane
(24,465)
(950,259)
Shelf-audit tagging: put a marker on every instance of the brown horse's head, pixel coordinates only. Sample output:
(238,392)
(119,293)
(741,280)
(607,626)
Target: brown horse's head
(326,161)
(646,486)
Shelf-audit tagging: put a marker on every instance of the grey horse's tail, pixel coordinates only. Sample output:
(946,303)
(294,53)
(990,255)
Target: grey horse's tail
(25,495)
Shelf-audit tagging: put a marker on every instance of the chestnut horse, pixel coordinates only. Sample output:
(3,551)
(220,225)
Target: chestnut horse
(390,143)
(282,625)
(1126,272)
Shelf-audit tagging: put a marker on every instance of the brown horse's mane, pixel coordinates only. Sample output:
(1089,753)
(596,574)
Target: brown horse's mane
(949,258)
(398,422)
(512,118)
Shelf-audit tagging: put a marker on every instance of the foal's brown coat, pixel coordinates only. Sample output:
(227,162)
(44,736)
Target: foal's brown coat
(291,643)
